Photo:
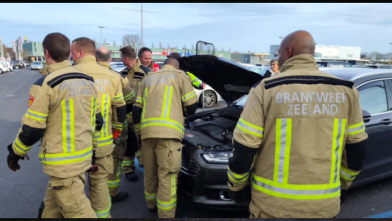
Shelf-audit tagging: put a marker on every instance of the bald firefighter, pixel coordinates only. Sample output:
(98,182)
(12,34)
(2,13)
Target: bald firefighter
(104,58)
(63,109)
(135,73)
(112,103)
(304,133)
(196,82)
(164,98)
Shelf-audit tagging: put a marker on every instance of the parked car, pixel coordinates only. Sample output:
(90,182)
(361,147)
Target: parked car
(22,64)
(380,66)
(3,67)
(208,145)
(26,63)
(211,97)
(10,66)
(37,65)
(16,64)
(334,64)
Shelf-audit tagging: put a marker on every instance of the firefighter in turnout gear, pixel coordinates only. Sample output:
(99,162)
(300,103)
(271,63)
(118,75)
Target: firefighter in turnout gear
(104,58)
(163,99)
(303,133)
(196,82)
(135,73)
(58,102)
(112,103)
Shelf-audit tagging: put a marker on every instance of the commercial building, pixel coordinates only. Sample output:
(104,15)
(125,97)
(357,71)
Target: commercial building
(34,51)
(251,58)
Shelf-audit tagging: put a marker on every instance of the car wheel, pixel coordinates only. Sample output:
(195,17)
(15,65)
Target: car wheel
(1,71)
(209,98)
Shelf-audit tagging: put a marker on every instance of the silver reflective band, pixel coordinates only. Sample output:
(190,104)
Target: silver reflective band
(151,197)
(167,205)
(296,192)
(105,113)
(35,115)
(254,130)
(173,183)
(106,140)
(192,94)
(102,214)
(164,122)
(53,159)
(68,125)
(347,175)
(337,149)
(118,98)
(283,132)
(114,184)
(356,129)
(21,148)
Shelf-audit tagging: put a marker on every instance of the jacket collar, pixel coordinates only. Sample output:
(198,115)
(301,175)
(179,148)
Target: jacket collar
(301,61)
(87,59)
(167,66)
(105,65)
(56,66)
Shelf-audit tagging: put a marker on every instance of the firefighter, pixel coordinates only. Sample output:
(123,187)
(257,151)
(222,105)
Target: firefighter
(163,99)
(196,82)
(304,133)
(136,72)
(57,103)
(104,58)
(112,103)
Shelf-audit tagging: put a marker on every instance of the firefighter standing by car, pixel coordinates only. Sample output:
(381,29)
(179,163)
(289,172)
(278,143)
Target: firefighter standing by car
(196,82)
(145,58)
(112,103)
(104,58)
(163,99)
(303,131)
(57,103)
(135,73)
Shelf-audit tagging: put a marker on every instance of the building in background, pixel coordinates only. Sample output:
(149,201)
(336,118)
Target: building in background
(33,51)
(251,58)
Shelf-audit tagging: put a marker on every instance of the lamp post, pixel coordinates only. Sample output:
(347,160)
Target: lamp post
(280,39)
(142,24)
(390,45)
(101,27)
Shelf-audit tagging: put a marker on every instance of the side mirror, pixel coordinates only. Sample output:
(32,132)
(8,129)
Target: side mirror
(366,116)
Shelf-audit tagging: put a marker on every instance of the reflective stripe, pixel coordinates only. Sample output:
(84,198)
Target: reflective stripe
(250,128)
(166,205)
(188,96)
(118,97)
(356,129)
(104,213)
(129,96)
(127,163)
(282,150)
(149,196)
(167,102)
(68,126)
(173,186)
(36,115)
(162,122)
(118,126)
(103,141)
(237,178)
(93,112)
(296,192)
(116,183)
(65,158)
(112,184)
(138,127)
(144,103)
(139,99)
(337,143)
(20,147)
(105,116)
(348,175)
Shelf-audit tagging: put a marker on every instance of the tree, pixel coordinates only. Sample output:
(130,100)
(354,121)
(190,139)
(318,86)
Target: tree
(230,50)
(168,45)
(114,43)
(236,52)
(152,45)
(223,49)
(160,45)
(133,40)
(25,55)
(185,46)
(5,51)
(375,55)
(193,46)
(104,42)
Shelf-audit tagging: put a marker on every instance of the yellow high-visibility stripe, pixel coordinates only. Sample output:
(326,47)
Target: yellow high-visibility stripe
(66,158)
(72,123)
(250,128)
(68,126)
(282,150)
(144,103)
(287,151)
(36,115)
(277,147)
(337,143)
(356,128)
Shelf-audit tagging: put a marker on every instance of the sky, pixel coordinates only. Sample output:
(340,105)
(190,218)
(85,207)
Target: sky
(241,27)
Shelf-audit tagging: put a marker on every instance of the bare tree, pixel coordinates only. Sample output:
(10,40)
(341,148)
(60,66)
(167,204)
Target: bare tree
(176,47)
(104,42)
(223,49)
(185,46)
(126,40)
(160,44)
(25,55)
(133,40)
(193,47)
(152,45)
(229,49)
(114,43)
(168,45)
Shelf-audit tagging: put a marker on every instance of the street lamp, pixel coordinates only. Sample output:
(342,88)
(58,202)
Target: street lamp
(142,23)
(101,27)
(280,39)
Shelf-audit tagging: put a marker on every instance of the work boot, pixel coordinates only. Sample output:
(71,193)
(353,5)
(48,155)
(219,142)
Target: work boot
(179,213)
(119,197)
(153,210)
(131,176)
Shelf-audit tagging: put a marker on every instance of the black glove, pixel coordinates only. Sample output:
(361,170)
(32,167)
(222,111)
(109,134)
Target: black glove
(94,168)
(12,159)
(200,87)
(343,195)
(241,198)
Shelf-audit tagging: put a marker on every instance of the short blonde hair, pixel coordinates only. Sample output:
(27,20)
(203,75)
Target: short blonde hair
(274,61)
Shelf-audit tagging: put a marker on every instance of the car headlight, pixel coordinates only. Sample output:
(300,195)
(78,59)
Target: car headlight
(218,157)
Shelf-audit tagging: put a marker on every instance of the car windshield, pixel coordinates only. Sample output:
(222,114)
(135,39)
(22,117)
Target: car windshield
(37,62)
(241,102)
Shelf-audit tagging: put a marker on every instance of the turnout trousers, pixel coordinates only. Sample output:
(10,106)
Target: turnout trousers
(114,178)
(162,163)
(98,187)
(128,164)
(65,198)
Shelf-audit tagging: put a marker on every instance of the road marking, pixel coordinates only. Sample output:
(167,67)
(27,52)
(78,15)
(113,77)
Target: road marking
(9,95)
(382,215)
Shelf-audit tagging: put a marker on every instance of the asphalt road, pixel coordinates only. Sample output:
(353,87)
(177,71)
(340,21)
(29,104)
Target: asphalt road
(23,191)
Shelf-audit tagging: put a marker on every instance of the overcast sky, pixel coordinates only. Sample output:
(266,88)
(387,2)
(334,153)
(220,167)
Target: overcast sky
(240,27)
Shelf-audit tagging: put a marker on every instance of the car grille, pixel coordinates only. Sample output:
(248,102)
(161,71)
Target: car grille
(189,166)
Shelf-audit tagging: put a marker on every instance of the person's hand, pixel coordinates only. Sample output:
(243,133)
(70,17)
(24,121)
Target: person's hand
(241,198)
(12,159)
(343,195)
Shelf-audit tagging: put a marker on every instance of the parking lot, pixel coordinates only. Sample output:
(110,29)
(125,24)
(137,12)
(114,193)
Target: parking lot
(26,187)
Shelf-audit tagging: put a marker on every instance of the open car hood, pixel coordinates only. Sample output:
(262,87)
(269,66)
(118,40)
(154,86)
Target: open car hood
(229,79)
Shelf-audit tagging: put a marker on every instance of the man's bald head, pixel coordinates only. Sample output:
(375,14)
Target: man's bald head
(103,55)
(173,62)
(298,42)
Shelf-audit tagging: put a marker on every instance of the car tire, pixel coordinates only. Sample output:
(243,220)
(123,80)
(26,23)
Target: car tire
(210,99)
(1,71)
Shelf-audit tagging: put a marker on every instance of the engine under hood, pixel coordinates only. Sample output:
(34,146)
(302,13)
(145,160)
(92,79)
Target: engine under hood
(229,79)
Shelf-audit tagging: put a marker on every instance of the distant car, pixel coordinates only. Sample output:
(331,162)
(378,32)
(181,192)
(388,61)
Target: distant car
(10,66)
(211,97)
(26,63)
(37,65)
(261,70)
(380,66)
(333,64)
(3,67)
(22,63)
(16,64)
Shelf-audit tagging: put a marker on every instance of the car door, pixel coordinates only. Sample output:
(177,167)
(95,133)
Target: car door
(375,97)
